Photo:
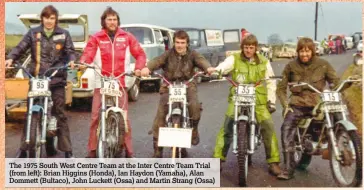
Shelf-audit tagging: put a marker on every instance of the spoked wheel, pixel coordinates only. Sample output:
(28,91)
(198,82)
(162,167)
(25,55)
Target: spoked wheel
(114,137)
(35,147)
(302,160)
(243,153)
(348,171)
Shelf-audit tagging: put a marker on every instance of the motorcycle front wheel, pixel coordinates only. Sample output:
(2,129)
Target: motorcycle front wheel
(35,147)
(243,139)
(348,171)
(114,133)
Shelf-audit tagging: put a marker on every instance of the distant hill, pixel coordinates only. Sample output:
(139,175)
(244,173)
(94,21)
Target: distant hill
(11,28)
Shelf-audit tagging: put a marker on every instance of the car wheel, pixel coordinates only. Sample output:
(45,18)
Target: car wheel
(134,93)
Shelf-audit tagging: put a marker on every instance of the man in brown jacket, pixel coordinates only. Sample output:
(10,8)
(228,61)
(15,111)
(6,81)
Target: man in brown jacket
(178,64)
(306,68)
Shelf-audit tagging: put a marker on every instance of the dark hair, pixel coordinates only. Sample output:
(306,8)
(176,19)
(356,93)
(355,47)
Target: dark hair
(47,12)
(181,35)
(250,40)
(243,29)
(109,11)
(306,43)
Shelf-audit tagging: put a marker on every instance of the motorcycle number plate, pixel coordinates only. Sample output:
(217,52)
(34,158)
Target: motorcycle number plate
(40,85)
(177,94)
(245,90)
(111,88)
(331,97)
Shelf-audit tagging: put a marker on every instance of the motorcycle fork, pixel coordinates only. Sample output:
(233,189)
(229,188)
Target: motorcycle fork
(331,135)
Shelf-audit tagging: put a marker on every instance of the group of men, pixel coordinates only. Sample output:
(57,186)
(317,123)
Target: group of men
(178,63)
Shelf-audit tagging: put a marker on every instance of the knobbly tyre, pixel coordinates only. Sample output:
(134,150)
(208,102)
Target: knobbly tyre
(40,122)
(323,132)
(112,124)
(246,131)
(178,116)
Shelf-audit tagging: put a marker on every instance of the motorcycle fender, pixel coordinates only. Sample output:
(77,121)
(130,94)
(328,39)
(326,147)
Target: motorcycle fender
(37,108)
(243,118)
(176,111)
(118,110)
(348,125)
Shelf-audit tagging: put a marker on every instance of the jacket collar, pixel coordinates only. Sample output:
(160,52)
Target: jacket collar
(118,32)
(57,30)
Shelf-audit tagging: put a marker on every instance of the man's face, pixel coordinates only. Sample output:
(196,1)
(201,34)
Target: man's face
(305,54)
(50,22)
(111,22)
(249,50)
(180,45)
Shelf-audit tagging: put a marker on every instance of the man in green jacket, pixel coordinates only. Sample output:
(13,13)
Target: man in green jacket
(250,67)
(306,68)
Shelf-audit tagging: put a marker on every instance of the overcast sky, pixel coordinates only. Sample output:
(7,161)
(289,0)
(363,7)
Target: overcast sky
(287,19)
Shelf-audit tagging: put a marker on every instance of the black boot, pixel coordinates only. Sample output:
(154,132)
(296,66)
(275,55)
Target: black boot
(50,149)
(158,151)
(288,172)
(21,154)
(195,135)
(68,154)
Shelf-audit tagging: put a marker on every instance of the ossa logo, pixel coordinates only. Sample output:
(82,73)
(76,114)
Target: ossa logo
(240,78)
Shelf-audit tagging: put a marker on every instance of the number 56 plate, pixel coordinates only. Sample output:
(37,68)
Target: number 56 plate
(40,85)
(177,94)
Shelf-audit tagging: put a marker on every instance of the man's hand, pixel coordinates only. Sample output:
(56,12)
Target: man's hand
(8,62)
(210,70)
(145,72)
(137,73)
(71,64)
(286,109)
(271,107)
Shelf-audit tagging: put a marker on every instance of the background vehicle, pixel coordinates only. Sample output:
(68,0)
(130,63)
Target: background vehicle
(288,50)
(319,49)
(155,40)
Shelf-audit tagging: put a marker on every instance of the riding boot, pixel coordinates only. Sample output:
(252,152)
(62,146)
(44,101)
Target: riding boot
(50,149)
(158,151)
(195,134)
(288,172)
(184,153)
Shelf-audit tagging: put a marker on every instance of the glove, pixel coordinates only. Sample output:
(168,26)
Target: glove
(286,109)
(271,107)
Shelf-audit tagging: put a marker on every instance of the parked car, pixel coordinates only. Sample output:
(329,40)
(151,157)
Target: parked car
(155,40)
(288,50)
(208,42)
(349,42)
(359,48)
(319,49)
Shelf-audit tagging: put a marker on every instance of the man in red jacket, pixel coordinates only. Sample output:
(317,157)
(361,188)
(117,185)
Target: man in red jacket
(114,47)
